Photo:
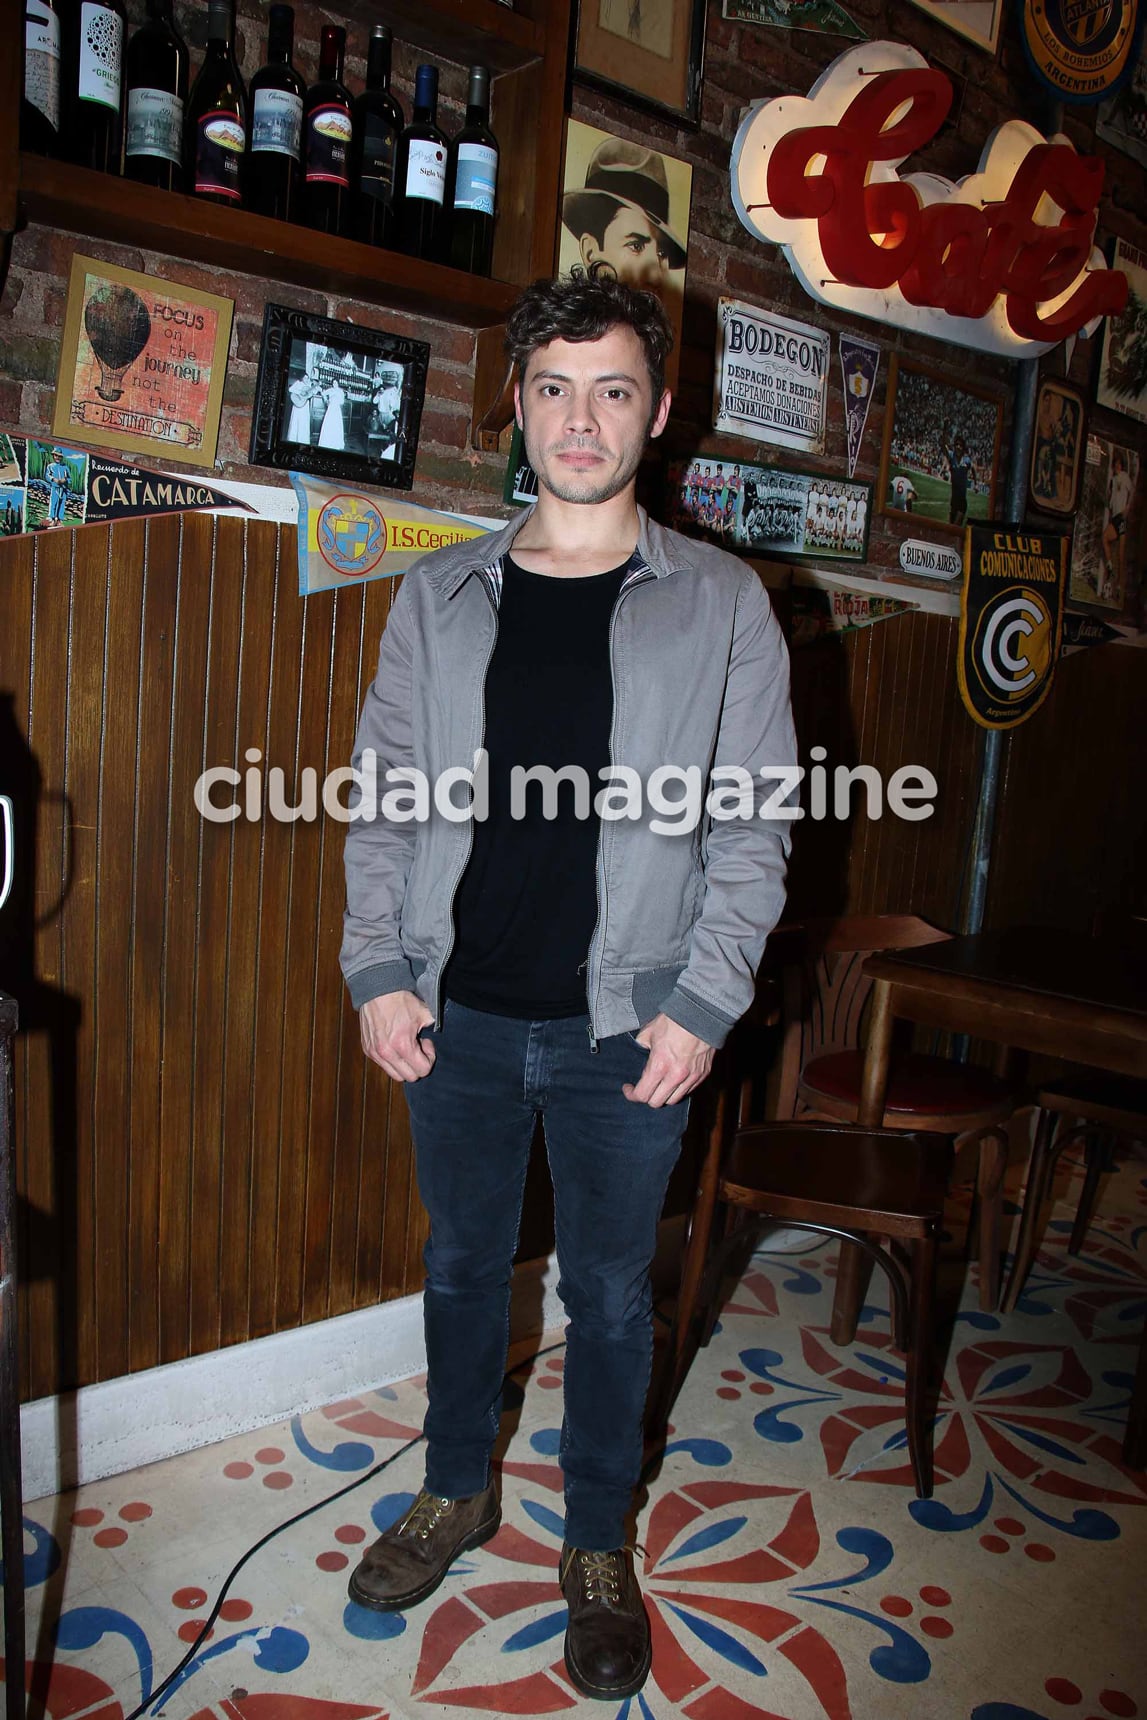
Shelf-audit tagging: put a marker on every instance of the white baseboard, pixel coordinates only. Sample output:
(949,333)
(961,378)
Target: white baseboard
(140,1418)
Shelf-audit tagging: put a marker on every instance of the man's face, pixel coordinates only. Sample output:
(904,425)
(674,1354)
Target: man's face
(586,411)
(632,247)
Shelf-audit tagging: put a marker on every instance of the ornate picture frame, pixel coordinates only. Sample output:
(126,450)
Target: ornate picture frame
(338,400)
(941,446)
(654,62)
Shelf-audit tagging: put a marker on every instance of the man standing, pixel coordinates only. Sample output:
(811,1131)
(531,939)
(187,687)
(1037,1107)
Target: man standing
(961,470)
(556,960)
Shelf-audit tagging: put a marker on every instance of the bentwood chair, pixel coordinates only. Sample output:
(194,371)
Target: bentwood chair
(865,1186)
(1094,1110)
(825,993)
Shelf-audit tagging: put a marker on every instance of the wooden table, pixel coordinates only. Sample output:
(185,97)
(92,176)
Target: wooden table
(1063,993)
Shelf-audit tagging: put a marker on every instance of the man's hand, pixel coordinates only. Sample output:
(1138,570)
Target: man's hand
(678,1062)
(389,1026)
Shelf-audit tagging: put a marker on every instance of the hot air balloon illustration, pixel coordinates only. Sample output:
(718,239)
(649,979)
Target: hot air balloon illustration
(118,324)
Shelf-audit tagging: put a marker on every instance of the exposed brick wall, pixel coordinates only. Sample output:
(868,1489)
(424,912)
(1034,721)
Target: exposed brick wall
(744,63)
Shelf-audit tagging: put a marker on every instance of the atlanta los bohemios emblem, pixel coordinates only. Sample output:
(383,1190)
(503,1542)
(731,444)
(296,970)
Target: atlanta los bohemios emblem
(1083,49)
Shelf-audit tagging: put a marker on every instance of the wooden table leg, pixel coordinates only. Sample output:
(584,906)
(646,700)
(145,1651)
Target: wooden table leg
(11,1501)
(855,1268)
(1135,1439)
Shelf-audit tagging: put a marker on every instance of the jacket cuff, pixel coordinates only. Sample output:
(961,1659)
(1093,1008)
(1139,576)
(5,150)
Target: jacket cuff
(377,981)
(697,1017)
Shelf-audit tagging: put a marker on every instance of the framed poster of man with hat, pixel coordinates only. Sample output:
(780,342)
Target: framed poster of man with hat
(626,206)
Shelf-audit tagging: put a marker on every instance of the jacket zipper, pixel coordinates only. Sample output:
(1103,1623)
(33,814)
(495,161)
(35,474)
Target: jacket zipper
(593,978)
(469,822)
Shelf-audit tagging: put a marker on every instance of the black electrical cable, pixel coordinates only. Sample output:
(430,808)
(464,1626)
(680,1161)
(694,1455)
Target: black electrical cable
(289,1523)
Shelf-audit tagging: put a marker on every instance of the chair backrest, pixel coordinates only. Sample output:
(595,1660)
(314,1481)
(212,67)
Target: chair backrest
(825,990)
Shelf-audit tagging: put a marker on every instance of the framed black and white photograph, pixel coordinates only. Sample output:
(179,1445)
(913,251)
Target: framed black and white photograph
(649,52)
(337,400)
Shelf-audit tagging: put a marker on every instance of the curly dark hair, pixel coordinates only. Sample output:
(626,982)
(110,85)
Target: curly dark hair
(585,306)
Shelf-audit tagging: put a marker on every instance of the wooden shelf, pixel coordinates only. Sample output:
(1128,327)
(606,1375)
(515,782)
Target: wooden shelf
(468,31)
(101,206)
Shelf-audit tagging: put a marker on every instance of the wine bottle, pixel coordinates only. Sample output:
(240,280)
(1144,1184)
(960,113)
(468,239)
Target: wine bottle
(377,128)
(421,174)
(92,122)
(473,181)
(217,116)
(156,75)
(40,103)
(327,129)
(277,96)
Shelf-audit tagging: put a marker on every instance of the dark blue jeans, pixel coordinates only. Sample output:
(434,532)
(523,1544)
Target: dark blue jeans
(610,1159)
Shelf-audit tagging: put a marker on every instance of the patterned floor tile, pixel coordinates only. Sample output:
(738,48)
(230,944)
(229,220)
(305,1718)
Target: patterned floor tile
(790,1571)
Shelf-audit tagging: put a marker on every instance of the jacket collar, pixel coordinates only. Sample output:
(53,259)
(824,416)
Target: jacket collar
(661,551)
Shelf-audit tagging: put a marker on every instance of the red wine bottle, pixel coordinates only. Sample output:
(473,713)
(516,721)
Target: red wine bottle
(377,128)
(473,181)
(422,154)
(277,97)
(40,102)
(92,123)
(217,117)
(156,66)
(327,131)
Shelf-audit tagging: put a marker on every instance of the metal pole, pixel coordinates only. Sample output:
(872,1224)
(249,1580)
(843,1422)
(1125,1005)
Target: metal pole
(991,758)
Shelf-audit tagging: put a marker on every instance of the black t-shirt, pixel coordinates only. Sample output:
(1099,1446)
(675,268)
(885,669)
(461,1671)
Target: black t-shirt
(527,904)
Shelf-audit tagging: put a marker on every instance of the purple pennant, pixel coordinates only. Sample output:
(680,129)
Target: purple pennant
(859,363)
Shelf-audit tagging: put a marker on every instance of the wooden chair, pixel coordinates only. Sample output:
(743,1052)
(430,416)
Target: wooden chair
(1089,1107)
(862,1185)
(825,994)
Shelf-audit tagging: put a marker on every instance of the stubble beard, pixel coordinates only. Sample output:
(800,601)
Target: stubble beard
(586,488)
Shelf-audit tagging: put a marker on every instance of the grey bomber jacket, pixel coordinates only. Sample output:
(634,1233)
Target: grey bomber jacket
(700,678)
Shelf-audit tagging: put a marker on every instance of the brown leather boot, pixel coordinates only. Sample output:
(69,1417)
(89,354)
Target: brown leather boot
(608,1651)
(409,1561)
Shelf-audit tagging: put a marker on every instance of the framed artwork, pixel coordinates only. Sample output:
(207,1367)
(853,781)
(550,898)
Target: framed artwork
(1058,446)
(771,511)
(941,450)
(1121,119)
(1103,543)
(1122,381)
(142,364)
(627,206)
(520,485)
(823,15)
(650,52)
(338,400)
(977,20)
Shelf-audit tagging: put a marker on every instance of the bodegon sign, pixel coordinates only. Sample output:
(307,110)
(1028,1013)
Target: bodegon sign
(1002,261)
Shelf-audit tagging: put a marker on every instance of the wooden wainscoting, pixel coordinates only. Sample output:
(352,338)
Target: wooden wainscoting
(204,1155)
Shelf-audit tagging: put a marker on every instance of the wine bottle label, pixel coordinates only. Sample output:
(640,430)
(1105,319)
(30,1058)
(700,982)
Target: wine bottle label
(379,144)
(101,55)
(219,141)
(42,61)
(154,124)
(426,171)
(277,122)
(328,146)
(477,177)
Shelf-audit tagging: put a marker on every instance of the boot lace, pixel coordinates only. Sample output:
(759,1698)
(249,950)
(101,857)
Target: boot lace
(600,1576)
(425,1515)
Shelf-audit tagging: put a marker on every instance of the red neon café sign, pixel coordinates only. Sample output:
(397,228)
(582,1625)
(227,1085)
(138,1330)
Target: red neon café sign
(1003,261)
